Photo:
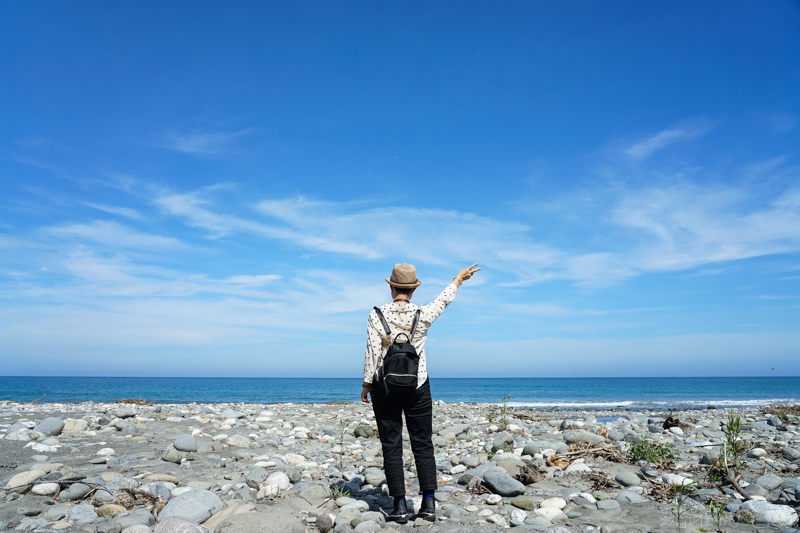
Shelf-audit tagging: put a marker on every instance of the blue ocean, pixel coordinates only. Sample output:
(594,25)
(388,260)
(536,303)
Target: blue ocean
(633,393)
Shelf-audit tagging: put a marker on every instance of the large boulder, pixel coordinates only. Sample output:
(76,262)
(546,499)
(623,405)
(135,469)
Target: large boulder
(195,505)
(24,480)
(50,427)
(503,484)
(581,435)
(768,513)
(185,443)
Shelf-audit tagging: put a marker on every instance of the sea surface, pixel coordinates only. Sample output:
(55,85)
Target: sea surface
(633,393)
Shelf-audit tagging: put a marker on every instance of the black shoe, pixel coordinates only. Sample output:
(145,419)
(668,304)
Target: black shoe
(427,510)
(400,513)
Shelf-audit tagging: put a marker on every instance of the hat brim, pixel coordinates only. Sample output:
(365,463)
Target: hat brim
(403,285)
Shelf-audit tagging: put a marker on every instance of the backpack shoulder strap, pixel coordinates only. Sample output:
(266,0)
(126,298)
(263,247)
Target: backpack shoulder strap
(414,325)
(383,321)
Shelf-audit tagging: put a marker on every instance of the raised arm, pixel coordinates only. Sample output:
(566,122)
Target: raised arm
(465,274)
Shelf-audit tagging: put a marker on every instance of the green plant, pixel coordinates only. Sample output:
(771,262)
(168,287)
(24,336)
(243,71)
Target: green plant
(342,432)
(717,513)
(339,491)
(504,411)
(656,453)
(682,493)
(732,446)
(491,414)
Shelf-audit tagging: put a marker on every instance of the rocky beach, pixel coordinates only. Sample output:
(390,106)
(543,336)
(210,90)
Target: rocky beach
(246,468)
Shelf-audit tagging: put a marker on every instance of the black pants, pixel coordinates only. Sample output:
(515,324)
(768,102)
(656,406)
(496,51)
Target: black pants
(419,420)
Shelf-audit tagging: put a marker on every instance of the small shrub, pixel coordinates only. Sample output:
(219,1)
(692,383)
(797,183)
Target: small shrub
(656,453)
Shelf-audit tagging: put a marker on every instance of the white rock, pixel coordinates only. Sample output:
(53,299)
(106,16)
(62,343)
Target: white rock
(757,452)
(549,512)
(41,448)
(221,436)
(577,467)
(72,424)
(494,499)
(557,503)
(238,441)
(519,514)
(45,489)
(293,459)
(273,485)
(586,496)
(458,469)
(675,430)
(22,435)
(768,513)
(675,479)
(497,519)
(485,513)
(105,452)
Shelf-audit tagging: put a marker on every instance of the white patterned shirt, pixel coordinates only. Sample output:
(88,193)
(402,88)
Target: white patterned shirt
(400,316)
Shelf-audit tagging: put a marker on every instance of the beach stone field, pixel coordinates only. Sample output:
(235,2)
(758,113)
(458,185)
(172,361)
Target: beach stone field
(247,468)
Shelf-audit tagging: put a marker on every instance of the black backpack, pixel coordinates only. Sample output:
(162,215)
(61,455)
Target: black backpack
(399,369)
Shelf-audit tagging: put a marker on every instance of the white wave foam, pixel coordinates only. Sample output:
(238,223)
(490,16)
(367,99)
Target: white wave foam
(628,403)
(570,404)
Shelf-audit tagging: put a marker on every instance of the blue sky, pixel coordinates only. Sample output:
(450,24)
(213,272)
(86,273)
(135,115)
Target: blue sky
(199,189)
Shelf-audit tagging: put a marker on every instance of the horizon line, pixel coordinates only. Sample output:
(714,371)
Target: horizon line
(462,377)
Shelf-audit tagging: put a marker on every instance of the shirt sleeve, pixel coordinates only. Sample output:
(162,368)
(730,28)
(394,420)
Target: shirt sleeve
(433,310)
(374,350)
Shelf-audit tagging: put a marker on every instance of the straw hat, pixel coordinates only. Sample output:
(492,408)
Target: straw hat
(404,276)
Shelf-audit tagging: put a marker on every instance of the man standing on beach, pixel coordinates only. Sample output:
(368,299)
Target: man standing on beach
(386,324)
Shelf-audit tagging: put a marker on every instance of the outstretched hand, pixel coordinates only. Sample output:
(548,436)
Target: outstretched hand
(465,274)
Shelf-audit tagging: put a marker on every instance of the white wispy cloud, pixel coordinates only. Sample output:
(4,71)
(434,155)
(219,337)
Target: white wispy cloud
(115,210)
(688,225)
(110,233)
(647,147)
(253,280)
(205,143)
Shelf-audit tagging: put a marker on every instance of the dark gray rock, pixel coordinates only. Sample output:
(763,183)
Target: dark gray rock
(138,516)
(709,458)
(627,496)
(363,431)
(503,484)
(76,491)
(615,435)
(171,455)
(82,514)
(502,440)
(531,449)
(605,505)
(790,454)
(628,479)
(769,482)
(50,427)
(123,426)
(123,463)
